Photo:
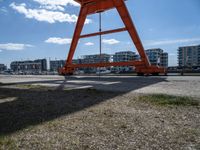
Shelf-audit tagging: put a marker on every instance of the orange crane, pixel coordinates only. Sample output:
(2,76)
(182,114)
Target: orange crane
(89,7)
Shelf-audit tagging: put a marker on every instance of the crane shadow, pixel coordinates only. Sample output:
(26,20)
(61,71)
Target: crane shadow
(21,108)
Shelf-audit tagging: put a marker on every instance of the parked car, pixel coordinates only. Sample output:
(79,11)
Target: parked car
(103,72)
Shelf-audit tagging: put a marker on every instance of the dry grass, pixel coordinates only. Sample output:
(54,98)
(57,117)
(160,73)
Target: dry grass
(163,99)
(32,86)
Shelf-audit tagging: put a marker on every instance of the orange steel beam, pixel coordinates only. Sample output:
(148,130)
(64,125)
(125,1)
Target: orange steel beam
(126,18)
(77,32)
(99,6)
(83,2)
(104,32)
(89,7)
(104,64)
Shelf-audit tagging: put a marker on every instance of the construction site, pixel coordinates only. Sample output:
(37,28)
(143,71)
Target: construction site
(147,110)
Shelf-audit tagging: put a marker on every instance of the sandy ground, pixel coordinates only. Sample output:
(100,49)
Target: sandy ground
(111,115)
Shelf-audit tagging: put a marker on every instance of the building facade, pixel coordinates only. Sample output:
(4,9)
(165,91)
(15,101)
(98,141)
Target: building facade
(124,56)
(29,67)
(86,59)
(43,63)
(164,60)
(2,67)
(189,56)
(56,64)
(157,57)
(96,58)
(76,61)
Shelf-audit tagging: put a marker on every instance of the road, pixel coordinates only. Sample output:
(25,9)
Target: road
(173,85)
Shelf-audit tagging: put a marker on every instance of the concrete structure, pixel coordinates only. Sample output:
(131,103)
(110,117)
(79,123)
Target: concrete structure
(29,66)
(124,56)
(189,56)
(56,64)
(157,57)
(2,67)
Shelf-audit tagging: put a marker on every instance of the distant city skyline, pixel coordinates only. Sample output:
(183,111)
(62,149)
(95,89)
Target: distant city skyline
(38,29)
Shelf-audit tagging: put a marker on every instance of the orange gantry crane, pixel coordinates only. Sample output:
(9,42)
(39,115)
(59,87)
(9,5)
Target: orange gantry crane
(89,7)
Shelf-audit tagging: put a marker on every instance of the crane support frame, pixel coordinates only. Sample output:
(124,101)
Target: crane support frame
(89,7)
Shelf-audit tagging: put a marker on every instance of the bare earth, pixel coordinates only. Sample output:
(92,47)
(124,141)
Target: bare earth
(49,112)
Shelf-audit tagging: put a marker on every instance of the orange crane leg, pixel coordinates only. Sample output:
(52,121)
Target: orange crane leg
(89,7)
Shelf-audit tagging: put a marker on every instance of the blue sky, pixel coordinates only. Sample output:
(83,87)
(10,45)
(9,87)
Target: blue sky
(31,29)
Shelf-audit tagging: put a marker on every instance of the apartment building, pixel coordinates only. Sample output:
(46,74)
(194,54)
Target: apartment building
(56,64)
(29,66)
(124,56)
(158,57)
(189,56)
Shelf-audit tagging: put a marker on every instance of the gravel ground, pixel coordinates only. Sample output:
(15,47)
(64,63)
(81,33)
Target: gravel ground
(43,118)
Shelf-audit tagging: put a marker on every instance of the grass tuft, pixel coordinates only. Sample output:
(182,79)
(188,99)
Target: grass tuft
(31,86)
(7,143)
(163,99)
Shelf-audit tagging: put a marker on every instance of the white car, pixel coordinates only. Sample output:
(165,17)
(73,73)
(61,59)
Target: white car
(103,72)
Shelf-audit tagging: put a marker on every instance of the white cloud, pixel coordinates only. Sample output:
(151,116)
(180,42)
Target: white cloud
(168,42)
(14,46)
(3,9)
(57,40)
(53,7)
(45,15)
(89,44)
(110,41)
(57,2)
